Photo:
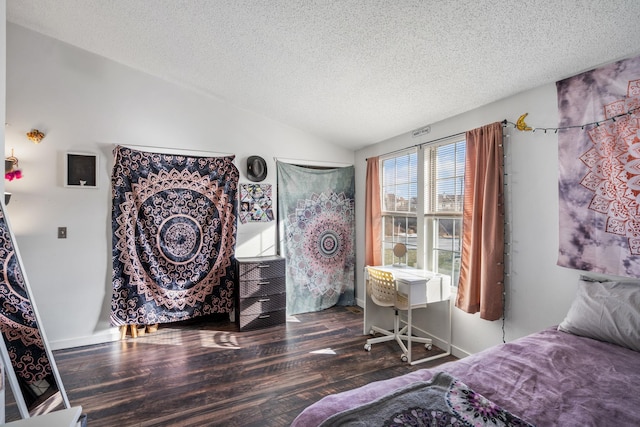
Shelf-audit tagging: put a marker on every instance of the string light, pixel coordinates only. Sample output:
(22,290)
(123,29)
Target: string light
(505,123)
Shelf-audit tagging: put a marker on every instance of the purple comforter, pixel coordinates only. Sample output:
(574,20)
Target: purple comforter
(549,378)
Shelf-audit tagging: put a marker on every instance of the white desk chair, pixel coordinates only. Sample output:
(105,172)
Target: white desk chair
(383,291)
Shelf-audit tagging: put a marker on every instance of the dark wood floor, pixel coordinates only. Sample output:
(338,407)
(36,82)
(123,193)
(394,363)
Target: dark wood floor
(206,373)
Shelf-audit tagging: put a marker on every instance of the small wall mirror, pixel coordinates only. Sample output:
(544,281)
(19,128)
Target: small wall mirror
(30,368)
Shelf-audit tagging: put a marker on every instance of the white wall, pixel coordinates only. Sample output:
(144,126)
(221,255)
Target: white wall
(538,291)
(83,102)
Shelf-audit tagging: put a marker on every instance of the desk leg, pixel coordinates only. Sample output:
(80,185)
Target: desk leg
(366,322)
(448,352)
(409,328)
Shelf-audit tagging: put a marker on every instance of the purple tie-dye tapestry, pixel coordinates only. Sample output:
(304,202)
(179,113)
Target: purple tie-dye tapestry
(316,223)
(599,169)
(174,234)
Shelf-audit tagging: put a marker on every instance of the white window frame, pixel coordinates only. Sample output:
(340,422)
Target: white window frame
(412,242)
(434,213)
(425,216)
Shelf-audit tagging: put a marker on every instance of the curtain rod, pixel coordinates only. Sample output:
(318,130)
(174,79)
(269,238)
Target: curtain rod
(504,124)
(311,162)
(178,151)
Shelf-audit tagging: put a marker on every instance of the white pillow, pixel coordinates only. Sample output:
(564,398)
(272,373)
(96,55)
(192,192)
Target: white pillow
(606,311)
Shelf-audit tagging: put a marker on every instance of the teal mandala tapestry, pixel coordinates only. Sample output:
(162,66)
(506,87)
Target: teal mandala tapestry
(316,235)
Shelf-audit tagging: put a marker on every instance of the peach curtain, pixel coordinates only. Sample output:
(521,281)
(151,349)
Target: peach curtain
(373,214)
(481,283)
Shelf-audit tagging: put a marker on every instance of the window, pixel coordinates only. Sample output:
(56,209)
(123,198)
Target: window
(444,191)
(399,207)
(439,204)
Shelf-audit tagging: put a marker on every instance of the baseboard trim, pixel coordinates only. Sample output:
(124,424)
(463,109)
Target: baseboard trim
(112,334)
(459,353)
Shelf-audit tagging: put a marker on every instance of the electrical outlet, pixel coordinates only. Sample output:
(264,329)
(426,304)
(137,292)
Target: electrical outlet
(62,232)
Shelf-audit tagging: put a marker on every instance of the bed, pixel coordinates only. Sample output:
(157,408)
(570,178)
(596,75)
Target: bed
(583,372)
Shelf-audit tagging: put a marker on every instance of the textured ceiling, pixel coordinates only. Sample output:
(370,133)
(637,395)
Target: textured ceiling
(353,72)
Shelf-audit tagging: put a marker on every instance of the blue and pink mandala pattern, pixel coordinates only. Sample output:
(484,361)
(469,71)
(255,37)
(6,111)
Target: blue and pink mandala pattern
(321,243)
(174,234)
(317,231)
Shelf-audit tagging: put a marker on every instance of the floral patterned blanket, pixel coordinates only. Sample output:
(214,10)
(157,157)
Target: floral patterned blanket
(443,401)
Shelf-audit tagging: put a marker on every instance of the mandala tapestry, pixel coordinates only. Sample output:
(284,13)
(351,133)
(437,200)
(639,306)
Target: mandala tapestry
(17,318)
(316,225)
(599,170)
(174,235)
(255,203)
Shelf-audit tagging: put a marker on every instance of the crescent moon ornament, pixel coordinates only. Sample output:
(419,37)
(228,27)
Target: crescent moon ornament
(521,125)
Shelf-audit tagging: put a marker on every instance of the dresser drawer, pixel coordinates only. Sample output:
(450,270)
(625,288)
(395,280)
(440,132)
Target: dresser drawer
(256,288)
(258,305)
(260,292)
(263,320)
(261,268)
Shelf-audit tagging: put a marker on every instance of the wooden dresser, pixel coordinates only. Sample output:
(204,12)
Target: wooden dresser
(261,299)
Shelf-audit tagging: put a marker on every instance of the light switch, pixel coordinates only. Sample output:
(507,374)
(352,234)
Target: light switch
(62,232)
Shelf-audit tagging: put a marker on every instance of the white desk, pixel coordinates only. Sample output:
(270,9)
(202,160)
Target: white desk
(422,288)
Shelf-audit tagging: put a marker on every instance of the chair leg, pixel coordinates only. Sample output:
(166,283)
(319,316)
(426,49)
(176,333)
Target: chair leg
(386,336)
(398,334)
(396,330)
(381,331)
